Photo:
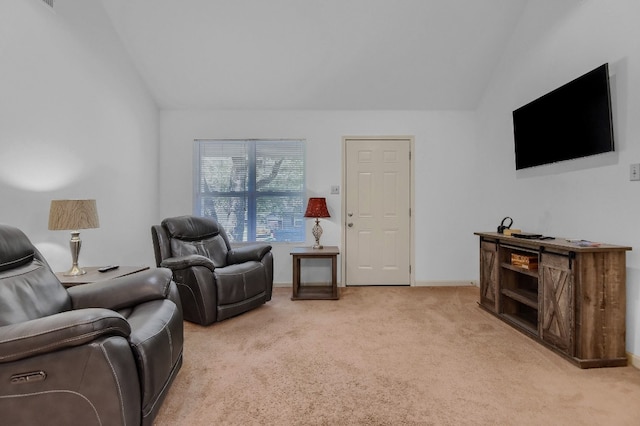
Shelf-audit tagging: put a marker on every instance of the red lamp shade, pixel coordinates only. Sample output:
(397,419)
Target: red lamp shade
(317,207)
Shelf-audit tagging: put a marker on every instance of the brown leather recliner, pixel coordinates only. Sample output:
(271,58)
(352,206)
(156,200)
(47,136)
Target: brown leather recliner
(215,281)
(94,354)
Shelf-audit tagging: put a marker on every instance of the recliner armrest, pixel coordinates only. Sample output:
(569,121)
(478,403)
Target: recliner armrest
(66,329)
(184,262)
(246,253)
(122,292)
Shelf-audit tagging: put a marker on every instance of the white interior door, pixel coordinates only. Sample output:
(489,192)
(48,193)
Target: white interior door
(377,211)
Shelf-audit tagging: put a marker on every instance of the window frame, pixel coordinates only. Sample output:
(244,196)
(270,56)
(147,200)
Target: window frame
(252,195)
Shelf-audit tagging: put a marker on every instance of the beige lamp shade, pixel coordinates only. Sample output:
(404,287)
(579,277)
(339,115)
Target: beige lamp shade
(73,215)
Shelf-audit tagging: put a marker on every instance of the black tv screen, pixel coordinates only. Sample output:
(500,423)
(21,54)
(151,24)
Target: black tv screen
(570,122)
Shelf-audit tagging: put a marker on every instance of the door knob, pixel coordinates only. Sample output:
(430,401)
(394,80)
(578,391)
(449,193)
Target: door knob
(349,224)
(349,214)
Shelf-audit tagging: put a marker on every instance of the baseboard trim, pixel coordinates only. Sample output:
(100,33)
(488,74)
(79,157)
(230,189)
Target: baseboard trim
(446,283)
(417,284)
(634,360)
(289,285)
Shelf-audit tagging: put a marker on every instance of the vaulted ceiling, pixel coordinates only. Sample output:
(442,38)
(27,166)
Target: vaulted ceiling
(316,54)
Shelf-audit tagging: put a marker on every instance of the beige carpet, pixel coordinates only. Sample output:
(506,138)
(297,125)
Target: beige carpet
(386,356)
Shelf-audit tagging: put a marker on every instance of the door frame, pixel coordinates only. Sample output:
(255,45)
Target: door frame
(343,258)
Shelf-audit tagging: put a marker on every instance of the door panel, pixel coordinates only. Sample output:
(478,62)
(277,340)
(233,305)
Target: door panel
(556,277)
(489,275)
(378,202)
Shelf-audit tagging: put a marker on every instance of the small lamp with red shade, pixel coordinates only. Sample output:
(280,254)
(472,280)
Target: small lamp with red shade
(317,208)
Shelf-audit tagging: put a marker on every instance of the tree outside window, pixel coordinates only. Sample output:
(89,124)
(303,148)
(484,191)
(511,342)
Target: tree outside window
(254,188)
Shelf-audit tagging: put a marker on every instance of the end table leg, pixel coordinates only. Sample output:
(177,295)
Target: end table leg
(295,282)
(334,275)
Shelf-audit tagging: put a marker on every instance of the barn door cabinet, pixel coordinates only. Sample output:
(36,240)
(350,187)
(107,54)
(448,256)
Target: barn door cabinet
(569,298)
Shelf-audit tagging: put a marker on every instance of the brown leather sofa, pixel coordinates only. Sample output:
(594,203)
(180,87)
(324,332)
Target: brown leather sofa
(94,354)
(215,281)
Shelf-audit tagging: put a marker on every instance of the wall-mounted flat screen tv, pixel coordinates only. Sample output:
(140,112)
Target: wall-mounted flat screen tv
(570,122)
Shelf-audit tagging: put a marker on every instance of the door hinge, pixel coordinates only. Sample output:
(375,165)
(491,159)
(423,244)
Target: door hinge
(409,268)
(409,211)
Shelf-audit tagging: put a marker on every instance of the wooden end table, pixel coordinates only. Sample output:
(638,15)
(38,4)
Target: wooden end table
(315,292)
(94,275)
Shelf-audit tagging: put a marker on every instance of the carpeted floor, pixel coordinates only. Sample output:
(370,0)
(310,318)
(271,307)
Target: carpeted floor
(386,356)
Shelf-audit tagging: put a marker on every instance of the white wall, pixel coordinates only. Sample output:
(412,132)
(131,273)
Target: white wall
(444,157)
(589,198)
(76,121)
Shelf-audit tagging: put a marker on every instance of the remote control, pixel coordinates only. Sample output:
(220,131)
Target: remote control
(108,268)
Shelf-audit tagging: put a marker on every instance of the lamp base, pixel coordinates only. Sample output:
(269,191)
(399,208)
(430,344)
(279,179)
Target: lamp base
(75,243)
(317,246)
(74,272)
(317,233)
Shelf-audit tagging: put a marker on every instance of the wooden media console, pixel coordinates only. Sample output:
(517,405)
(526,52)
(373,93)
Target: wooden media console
(568,296)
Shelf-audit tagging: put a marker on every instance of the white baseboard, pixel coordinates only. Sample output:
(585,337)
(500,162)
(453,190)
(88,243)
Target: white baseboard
(418,284)
(634,360)
(289,285)
(446,283)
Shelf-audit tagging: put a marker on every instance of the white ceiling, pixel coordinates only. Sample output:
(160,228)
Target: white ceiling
(316,54)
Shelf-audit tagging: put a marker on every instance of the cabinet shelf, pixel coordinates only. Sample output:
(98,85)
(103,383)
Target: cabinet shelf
(528,325)
(325,292)
(527,297)
(530,272)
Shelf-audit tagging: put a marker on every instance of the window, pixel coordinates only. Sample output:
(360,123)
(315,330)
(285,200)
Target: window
(254,188)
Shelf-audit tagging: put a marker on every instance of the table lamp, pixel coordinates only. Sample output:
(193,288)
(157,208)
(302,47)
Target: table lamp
(317,208)
(72,215)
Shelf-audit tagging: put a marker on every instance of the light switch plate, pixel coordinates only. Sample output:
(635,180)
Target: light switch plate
(335,189)
(634,172)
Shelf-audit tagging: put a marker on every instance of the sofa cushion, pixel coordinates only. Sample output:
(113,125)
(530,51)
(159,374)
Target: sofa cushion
(191,228)
(213,248)
(30,291)
(237,283)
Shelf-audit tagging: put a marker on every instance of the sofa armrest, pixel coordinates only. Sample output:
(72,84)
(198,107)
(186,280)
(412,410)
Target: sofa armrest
(66,329)
(246,253)
(184,262)
(122,292)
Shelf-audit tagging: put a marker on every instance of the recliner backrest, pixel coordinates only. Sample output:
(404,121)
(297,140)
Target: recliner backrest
(28,287)
(198,235)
